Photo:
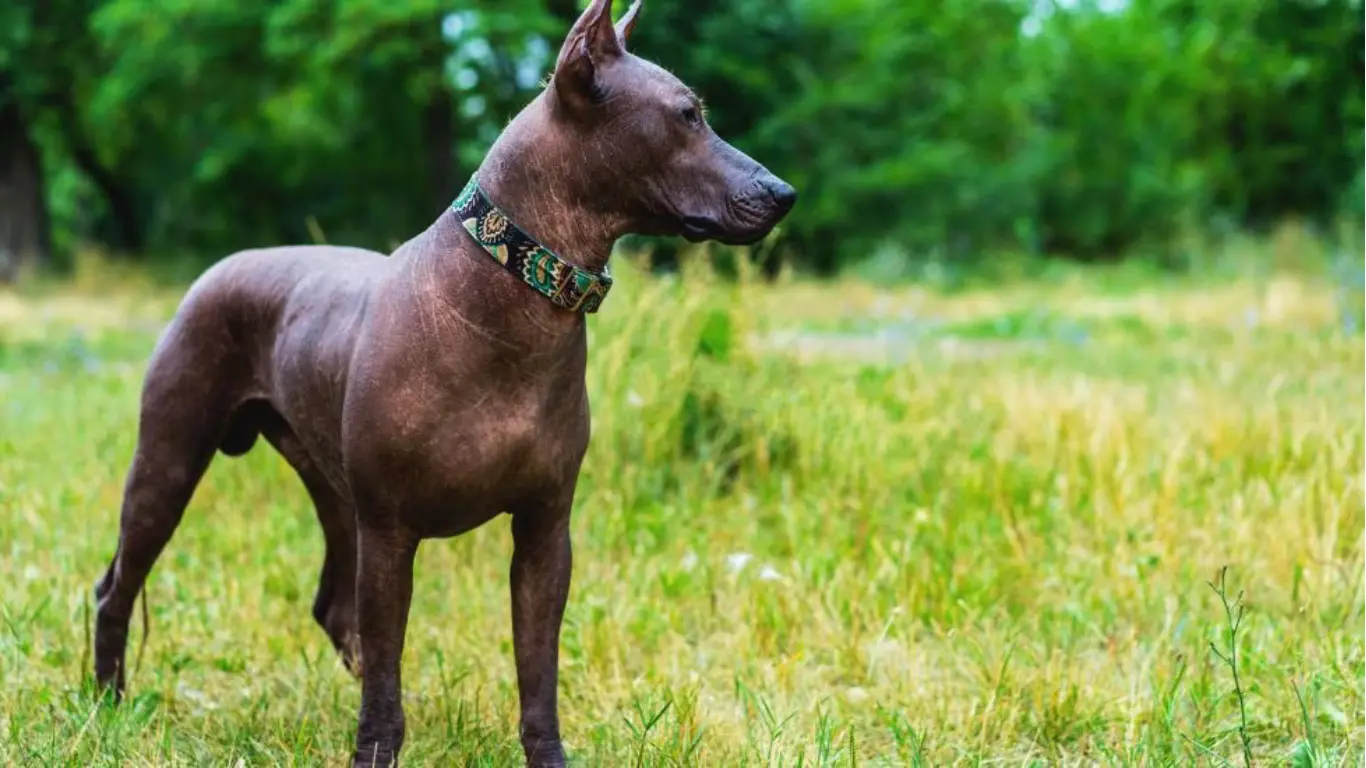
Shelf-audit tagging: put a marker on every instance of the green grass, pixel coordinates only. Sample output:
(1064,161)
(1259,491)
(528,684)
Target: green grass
(818,525)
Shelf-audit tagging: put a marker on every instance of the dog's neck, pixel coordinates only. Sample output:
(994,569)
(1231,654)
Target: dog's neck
(532,175)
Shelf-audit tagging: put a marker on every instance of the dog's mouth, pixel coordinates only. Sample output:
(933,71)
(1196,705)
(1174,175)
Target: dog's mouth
(747,230)
(696,229)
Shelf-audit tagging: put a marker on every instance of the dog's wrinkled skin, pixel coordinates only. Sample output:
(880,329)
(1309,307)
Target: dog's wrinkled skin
(420,395)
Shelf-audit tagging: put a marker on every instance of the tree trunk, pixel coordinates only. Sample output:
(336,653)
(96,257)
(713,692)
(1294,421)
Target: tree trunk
(439,124)
(24,224)
(127,232)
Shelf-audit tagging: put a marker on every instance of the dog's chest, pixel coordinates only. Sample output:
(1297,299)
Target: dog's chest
(519,446)
(453,467)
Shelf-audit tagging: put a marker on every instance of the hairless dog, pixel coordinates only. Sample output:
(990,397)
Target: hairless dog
(420,395)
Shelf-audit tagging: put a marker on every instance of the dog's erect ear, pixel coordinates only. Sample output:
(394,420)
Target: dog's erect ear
(592,44)
(628,23)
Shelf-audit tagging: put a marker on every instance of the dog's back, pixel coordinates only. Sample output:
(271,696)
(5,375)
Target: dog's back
(266,280)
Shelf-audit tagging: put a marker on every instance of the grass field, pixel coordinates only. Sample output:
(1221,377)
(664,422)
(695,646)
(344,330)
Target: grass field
(818,525)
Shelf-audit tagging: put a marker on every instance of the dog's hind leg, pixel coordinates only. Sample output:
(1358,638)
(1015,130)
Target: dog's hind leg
(334,605)
(182,421)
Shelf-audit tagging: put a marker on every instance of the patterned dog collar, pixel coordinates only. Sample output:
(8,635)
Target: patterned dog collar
(567,286)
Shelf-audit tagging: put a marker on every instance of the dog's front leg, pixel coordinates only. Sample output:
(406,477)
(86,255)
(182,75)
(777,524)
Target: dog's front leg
(384,591)
(540,586)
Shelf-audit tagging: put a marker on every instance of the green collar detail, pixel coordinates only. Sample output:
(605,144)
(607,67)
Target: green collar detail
(567,286)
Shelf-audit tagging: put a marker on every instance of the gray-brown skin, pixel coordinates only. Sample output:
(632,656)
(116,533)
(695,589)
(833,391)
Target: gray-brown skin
(420,395)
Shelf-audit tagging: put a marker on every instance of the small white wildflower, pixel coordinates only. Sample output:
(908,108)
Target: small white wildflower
(198,698)
(855,695)
(769,573)
(689,560)
(634,399)
(738,560)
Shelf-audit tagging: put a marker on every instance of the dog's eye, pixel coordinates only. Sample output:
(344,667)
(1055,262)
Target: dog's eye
(689,114)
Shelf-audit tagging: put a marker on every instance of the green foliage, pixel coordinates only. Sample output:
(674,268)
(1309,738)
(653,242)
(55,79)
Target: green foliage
(255,118)
(913,129)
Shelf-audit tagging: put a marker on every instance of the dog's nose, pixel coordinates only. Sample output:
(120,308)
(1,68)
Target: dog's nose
(783,194)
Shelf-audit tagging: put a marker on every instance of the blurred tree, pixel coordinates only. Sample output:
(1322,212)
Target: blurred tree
(911,128)
(1117,113)
(1293,128)
(47,67)
(256,119)
(24,234)
(908,127)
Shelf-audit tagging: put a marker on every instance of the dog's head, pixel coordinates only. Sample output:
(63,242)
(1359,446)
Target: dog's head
(647,149)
